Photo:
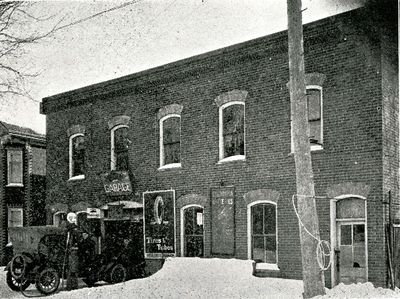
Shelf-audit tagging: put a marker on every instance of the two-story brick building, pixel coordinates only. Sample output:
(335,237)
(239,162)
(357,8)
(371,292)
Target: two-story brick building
(216,130)
(22,179)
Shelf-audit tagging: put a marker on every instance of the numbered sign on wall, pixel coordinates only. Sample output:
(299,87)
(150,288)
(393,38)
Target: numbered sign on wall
(223,221)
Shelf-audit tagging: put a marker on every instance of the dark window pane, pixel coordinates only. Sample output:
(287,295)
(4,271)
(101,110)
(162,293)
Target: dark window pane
(314,104)
(121,145)
(257,219)
(270,249)
(359,234)
(315,131)
(121,141)
(258,248)
(122,162)
(194,246)
(189,221)
(269,219)
(345,235)
(233,130)
(78,155)
(172,140)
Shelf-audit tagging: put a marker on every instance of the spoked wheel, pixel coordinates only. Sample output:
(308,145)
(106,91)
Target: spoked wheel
(117,274)
(18,266)
(16,284)
(47,281)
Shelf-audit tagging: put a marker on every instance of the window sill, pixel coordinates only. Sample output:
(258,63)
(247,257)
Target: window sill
(77,178)
(170,166)
(15,185)
(266,266)
(232,158)
(313,148)
(316,147)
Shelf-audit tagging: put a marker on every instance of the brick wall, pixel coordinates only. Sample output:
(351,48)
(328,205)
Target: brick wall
(352,120)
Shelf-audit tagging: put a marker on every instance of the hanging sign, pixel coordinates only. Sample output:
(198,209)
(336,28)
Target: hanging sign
(159,224)
(117,183)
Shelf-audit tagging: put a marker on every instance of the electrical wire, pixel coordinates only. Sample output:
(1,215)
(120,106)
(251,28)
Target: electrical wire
(324,249)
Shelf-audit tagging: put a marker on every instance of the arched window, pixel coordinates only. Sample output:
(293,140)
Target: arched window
(231,130)
(263,221)
(170,140)
(77,156)
(119,148)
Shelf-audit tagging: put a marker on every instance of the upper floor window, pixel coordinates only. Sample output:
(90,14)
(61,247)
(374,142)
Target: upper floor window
(232,144)
(14,167)
(77,156)
(170,140)
(314,110)
(119,148)
(314,82)
(169,119)
(231,131)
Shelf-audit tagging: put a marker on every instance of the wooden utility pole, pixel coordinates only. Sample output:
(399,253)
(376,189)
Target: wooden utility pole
(313,277)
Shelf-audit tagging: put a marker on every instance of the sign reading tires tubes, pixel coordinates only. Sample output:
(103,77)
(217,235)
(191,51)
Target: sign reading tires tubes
(159,224)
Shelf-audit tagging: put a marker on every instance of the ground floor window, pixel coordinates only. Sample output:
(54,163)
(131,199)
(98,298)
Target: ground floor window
(193,231)
(15,217)
(59,218)
(263,233)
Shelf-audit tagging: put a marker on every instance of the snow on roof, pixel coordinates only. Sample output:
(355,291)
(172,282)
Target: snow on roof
(18,130)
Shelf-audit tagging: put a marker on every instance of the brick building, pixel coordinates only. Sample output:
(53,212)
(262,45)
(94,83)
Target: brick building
(216,129)
(22,179)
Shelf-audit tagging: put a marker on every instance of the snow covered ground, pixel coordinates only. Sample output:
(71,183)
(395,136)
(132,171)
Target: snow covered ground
(205,278)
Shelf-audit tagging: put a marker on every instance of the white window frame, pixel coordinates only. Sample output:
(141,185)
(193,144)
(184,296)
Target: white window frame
(267,266)
(76,177)
(313,147)
(9,183)
(113,162)
(222,159)
(162,156)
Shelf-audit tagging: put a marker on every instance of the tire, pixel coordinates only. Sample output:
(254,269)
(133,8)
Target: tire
(117,274)
(16,284)
(47,281)
(18,266)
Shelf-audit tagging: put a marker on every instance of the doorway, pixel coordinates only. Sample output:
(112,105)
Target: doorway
(193,231)
(351,259)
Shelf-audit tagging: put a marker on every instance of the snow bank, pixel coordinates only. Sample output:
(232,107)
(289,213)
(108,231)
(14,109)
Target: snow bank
(360,290)
(196,278)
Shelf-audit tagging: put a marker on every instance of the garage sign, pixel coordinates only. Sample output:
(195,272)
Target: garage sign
(117,183)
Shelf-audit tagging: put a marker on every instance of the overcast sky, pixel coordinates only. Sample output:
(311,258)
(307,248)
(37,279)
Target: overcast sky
(139,36)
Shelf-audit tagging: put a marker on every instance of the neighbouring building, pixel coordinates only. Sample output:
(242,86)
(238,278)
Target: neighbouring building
(203,146)
(22,180)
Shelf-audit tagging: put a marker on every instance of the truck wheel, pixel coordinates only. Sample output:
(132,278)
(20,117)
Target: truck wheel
(117,274)
(18,266)
(16,284)
(47,281)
